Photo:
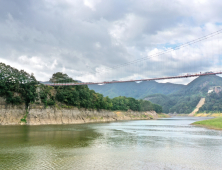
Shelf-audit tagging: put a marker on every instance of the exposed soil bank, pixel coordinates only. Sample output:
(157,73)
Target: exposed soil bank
(178,115)
(208,115)
(199,105)
(38,115)
(163,115)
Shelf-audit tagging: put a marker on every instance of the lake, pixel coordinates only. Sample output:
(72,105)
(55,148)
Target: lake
(170,143)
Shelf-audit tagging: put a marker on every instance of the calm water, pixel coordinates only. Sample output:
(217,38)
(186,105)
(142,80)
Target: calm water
(147,144)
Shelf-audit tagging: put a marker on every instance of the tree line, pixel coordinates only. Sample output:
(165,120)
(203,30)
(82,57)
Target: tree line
(212,103)
(17,86)
(20,87)
(82,96)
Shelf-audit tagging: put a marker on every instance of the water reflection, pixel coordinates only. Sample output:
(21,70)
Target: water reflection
(53,135)
(158,144)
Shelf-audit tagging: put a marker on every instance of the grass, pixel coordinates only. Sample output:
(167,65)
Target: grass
(215,123)
(24,118)
(162,115)
(208,115)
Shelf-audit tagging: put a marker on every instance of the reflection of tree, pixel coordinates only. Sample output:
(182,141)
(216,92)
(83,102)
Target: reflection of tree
(56,135)
(27,146)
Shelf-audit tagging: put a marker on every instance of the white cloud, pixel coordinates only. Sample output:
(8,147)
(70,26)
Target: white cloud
(86,38)
(127,28)
(91,4)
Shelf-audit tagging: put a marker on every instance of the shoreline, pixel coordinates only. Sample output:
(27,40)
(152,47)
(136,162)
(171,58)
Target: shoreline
(214,123)
(78,123)
(36,115)
(207,127)
(124,120)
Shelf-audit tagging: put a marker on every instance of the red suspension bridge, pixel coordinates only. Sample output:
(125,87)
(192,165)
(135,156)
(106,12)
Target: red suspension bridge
(140,80)
(202,53)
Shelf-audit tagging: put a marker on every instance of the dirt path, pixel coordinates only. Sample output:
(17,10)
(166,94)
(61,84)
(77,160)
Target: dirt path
(200,104)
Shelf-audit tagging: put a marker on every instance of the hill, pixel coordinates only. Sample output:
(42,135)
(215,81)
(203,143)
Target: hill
(186,99)
(163,100)
(212,103)
(136,90)
(18,87)
(201,85)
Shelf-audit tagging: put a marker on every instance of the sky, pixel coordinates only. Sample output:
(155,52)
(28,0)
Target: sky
(103,40)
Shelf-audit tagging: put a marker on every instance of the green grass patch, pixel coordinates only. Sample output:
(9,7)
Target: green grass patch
(151,117)
(24,118)
(215,123)
(162,115)
(144,116)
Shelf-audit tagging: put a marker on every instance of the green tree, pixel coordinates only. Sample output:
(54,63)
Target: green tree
(60,77)
(17,86)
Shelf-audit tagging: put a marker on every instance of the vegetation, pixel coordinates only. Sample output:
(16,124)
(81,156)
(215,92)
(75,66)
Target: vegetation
(162,115)
(24,118)
(124,103)
(212,104)
(163,100)
(215,123)
(60,78)
(20,87)
(186,99)
(81,96)
(136,90)
(17,86)
(46,95)
(176,102)
(185,104)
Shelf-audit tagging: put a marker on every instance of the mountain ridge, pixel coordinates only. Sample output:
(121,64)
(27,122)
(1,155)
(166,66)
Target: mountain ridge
(172,97)
(136,90)
(186,99)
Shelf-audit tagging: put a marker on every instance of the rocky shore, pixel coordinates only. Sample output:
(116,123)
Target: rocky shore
(40,115)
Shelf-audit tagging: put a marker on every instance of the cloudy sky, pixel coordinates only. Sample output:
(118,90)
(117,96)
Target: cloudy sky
(99,40)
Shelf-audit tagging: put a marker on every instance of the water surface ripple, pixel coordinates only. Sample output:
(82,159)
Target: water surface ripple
(170,143)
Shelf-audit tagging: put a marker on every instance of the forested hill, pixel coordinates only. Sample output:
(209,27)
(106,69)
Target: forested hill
(186,99)
(136,90)
(18,87)
(213,103)
(200,85)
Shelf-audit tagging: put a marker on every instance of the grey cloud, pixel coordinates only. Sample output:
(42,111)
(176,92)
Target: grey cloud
(68,35)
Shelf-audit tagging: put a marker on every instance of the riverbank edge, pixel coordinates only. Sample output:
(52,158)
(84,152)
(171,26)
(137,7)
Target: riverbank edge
(208,115)
(202,123)
(37,115)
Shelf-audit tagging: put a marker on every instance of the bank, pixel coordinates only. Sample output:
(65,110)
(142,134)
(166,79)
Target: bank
(215,123)
(208,115)
(62,114)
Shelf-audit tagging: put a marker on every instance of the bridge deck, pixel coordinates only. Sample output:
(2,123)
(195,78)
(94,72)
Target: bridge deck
(109,82)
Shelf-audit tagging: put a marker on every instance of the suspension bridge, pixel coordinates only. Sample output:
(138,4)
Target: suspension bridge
(140,80)
(203,52)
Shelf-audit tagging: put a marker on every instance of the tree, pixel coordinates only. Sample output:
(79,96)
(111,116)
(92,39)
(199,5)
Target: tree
(13,81)
(60,77)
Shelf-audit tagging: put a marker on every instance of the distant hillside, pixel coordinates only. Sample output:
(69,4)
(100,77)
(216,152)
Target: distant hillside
(17,87)
(201,85)
(163,100)
(186,99)
(213,103)
(136,90)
